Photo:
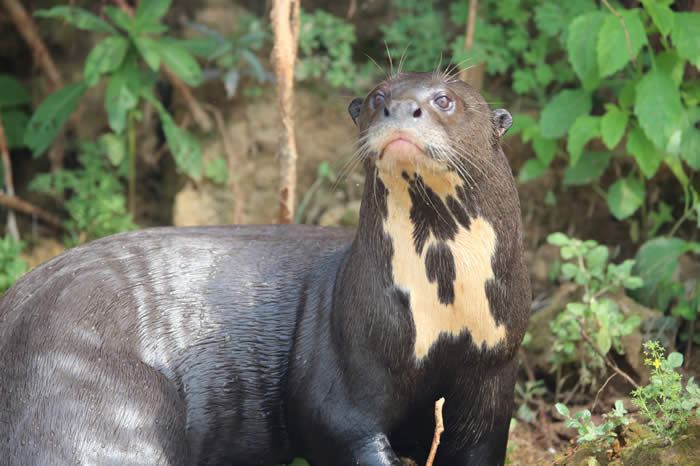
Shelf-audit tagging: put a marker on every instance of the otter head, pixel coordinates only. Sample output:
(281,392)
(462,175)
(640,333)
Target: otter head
(440,186)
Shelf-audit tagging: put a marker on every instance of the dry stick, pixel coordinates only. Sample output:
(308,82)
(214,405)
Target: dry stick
(15,203)
(9,185)
(595,401)
(439,429)
(199,115)
(231,163)
(469,36)
(605,358)
(284,17)
(624,27)
(351,9)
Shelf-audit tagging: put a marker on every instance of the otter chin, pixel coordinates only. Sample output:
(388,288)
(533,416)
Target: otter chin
(255,344)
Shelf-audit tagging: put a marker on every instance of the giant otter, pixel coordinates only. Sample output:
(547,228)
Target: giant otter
(249,345)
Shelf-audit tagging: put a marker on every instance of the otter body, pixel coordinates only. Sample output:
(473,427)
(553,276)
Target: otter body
(251,345)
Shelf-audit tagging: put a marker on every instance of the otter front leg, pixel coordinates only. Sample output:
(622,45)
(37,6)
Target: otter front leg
(373,451)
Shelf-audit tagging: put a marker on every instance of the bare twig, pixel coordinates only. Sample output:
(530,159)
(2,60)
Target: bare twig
(605,358)
(595,401)
(691,337)
(12,229)
(284,17)
(199,115)
(231,163)
(469,35)
(17,204)
(624,27)
(439,429)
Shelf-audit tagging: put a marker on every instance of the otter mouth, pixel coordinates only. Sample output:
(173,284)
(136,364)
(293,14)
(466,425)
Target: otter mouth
(401,148)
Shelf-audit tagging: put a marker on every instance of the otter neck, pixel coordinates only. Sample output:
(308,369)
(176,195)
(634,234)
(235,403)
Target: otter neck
(426,234)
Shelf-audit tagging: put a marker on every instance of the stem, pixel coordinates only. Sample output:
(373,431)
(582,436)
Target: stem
(605,358)
(624,28)
(131,154)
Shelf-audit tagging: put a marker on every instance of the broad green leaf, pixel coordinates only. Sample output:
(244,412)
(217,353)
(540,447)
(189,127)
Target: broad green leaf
(201,47)
(521,121)
(49,117)
(545,149)
(82,19)
(562,409)
(582,50)
(690,91)
(14,123)
(628,93)
(647,156)
(151,11)
(562,111)
(114,148)
(670,63)
(106,56)
(674,163)
(12,93)
(684,311)
(612,51)
(149,50)
(178,59)
(658,108)
(630,324)
(120,18)
(625,196)
(655,262)
(675,360)
(685,36)
(557,239)
(532,169)
(584,129)
(661,15)
(121,96)
(690,147)
(589,167)
(597,257)
(612,126)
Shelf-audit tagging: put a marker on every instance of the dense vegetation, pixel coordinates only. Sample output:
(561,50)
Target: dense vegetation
(606,97)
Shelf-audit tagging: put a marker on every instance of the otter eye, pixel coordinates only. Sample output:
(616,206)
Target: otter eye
(378,99)
(443,102)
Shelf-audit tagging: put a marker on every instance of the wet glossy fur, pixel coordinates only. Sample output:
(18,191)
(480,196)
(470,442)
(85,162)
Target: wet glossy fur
(249,345)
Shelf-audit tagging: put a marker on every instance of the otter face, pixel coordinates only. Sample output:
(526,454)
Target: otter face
(433,143)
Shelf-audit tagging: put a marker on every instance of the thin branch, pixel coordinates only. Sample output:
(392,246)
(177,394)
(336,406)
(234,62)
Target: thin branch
(231,163)
(605,358)
(469,34)
(284,17)
(199,115)
(595,401)
(624,27)
(17,204)
(12,229)
(439,429)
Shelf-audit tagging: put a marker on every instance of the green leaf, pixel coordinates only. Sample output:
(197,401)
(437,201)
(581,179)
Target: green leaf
(661,15)
(655,262)
(562,111)
(625,196)
(545,149)
(658,108)
(631,323)
(149,50)
(589,167)
(151,11)
(690,147)
(121,96)
(12,93)
(670,63)
(562,409)
(684,311)
(582,50)
(675,360)
(106,56)
(78,17)
(628,93)
(597,257)
(15,123)
(180,61)
(685,36)
(584,129)
(120,18)
(49,117)
(612,126)
(532,169)
(114,148)
(612,50)
(647,156)
(521,122)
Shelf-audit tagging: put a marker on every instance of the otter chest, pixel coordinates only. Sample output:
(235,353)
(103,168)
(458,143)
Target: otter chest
(443,253)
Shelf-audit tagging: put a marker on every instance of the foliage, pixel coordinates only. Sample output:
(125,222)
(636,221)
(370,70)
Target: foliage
(664,402)
(233,55)
(13,97)
(95,202)
(602,436)
(117,58)
(11,265)
(599,317)
(650,106)
(325,46)
(526,394)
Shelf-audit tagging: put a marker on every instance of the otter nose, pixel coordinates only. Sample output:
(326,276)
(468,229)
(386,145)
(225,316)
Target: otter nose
(403,108)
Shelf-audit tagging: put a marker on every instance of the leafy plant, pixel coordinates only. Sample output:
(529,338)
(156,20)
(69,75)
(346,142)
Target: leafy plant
(95,195)
(601,436)
(130,41)
(526,394)
(663,402)
(233,56)
(595,316)
(13,98)
(11,265)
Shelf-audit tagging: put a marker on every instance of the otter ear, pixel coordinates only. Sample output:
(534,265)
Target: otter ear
(354,109)
(503,120)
